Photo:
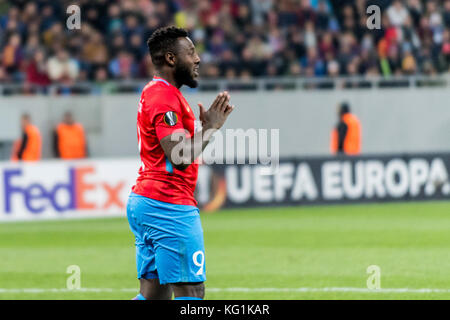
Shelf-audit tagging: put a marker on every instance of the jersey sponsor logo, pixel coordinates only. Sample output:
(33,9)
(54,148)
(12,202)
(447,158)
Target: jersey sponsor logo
(170,118)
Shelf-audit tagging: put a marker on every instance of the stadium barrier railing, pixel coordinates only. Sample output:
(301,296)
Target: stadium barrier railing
(252,84)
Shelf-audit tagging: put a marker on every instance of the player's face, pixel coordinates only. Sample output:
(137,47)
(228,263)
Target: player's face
(188,61)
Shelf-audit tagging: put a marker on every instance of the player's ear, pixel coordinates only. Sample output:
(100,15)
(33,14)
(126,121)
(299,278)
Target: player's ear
(170,58)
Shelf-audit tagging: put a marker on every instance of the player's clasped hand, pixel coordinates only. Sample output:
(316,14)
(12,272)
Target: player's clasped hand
(218,113)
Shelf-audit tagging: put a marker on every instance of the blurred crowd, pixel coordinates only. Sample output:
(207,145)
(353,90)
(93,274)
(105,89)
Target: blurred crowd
(235,39)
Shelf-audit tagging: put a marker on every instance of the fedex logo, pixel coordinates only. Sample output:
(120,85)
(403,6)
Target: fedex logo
(61,196)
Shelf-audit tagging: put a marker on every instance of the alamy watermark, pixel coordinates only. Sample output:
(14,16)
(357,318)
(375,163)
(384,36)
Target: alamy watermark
(374,20)
(73,282)
(374,280)
(235,146)
(73,22)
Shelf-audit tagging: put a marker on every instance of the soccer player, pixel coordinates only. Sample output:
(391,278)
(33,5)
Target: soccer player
(161,208)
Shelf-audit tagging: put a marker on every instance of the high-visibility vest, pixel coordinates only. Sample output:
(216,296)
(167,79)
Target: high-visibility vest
(71,141)
(334,141)
(352,141)
(32,151)
(15,150)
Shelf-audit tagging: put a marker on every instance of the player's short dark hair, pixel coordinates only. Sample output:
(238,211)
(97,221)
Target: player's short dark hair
(163,40)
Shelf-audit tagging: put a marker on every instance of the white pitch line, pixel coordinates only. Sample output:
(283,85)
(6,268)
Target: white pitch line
(331,289)
(303,290)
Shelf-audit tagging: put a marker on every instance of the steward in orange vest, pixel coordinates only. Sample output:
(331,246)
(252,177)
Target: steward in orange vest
(69,139)
(29,147)
(15,150)
(346,137)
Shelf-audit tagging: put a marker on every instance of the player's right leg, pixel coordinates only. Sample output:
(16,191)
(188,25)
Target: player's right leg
(150,288)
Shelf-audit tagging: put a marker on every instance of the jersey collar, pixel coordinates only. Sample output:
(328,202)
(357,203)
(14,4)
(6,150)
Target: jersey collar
(159,79)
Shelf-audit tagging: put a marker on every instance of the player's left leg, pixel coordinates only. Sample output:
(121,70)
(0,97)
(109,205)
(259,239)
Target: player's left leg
(170,248)
(180,253)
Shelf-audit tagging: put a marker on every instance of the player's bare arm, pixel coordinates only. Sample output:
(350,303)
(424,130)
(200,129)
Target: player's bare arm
(212,120)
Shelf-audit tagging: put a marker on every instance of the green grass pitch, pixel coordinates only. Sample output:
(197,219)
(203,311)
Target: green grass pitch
(254,249)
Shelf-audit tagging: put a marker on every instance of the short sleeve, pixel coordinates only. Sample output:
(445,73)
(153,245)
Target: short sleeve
(167,123)
(162,110)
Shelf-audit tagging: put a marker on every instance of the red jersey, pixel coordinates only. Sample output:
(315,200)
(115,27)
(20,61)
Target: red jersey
(162,111)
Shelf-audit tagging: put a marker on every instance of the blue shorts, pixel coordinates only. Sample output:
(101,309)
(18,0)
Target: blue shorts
(169,240)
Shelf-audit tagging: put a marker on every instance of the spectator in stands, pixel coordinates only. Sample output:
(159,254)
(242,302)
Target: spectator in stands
(346,137)
(3,75)
(409,65)
(398,14)
(95,52)
(446,49)
(446,14)
(54,35)
(28,148)
(69,139)
(62,68)
(37,70)
(250,37)
(13,55)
